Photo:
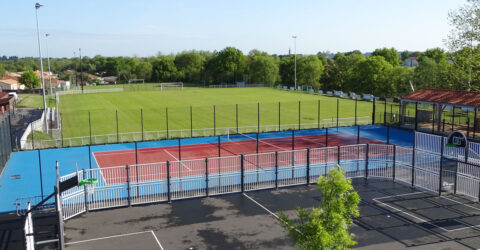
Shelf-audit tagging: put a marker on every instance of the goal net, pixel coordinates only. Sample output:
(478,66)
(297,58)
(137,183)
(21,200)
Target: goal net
(171,85)
(136,80)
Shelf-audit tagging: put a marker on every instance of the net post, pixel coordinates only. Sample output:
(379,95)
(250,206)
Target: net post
(279,121)
(85,190)
(214,122)
(385,112)
(276,169)
(358,134)
(90,127)
(338,154)
(61,128)
(475,122)
(366,159)
(373,112)
(326,138)
(236,116)
(166,119)
(242,173)
(191,122)
(258,117)
(308,166)
(257,143)
(299,116)
(169,193)
(141,122)
(179,149)
(128,186)
(206,177)
(356,101)
(338,104)
(318,114)
(394,161)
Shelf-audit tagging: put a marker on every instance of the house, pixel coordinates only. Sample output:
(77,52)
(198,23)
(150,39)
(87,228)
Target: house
(6,102)
(109,79)
(63,85)
(11,84)
(411,61)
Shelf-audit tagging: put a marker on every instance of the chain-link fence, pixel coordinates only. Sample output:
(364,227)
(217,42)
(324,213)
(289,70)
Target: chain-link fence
(5,139)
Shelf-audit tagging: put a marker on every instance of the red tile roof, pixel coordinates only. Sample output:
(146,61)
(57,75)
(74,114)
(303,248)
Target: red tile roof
(456,97)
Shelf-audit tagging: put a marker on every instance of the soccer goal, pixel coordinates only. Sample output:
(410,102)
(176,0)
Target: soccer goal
(136,80)
(171,85)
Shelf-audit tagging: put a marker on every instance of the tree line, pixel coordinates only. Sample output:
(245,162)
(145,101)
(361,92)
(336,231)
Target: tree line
(382,73)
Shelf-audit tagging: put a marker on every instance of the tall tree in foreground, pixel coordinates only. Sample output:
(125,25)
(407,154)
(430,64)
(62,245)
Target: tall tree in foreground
(326,227)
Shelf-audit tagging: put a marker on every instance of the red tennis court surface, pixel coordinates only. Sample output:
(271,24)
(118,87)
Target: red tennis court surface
(208,150)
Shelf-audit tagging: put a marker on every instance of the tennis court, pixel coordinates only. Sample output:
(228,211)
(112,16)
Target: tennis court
(392,216)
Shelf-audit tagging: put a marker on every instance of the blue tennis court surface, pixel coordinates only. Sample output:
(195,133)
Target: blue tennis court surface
(32,173)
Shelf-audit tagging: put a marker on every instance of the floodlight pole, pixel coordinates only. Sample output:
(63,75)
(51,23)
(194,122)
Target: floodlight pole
(81,69)
(295,54)
(48,60)
(37,6)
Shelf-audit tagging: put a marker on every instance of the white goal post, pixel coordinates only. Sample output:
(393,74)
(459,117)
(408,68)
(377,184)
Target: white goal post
(171,85)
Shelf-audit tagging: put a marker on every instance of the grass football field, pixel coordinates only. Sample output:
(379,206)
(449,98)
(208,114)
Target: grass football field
(103,107)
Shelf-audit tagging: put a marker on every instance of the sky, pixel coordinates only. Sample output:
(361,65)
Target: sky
(148,27)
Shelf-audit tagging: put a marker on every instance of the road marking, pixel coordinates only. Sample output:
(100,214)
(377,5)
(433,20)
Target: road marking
(160,245)
(107,237)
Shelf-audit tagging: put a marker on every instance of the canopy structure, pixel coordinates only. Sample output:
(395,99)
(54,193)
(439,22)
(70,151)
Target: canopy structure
(440,110)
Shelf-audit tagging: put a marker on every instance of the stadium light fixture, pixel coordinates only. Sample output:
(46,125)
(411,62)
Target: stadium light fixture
(37,6)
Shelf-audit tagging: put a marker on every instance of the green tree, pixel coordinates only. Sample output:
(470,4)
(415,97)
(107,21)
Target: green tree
(2,70)
(144,70)
(263,69)
(390,55)
(437,54)
(372,75)
(29,79)
(465,22)
(163,69)
(227,65)
(287,70)
(309,71)
(326,227)
(189,65)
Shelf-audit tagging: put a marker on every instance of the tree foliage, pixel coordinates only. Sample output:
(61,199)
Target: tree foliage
(390,55)
(29,79)
(326,226)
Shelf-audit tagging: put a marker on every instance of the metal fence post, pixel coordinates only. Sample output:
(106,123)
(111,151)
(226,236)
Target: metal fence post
(40,168)
(179,149)
(276,169)
(318,114)
(279,121)
(257,144)
(141,122)
(385,112)
(373,112)
(338,154)
(258,117)
(356,101)
(214,122)
(242,174)
(219,148)
(416,116)
(441,169)
(90,127)
(128,186)
(236,116)
(308,166)
(453,118)
(169,195)
(366,159)
(394,161)
(166,118)
(326,138)
(206,177)
(388,134)
(338,101)
(116,122)
(413,158)
(299,116)
(358,134)
(61,128)
(191,122)
(85,196)
(475,122)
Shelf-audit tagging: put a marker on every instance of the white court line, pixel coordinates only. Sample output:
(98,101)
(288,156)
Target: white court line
(166,151)
(115,236)
(401,211)
(160,245)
